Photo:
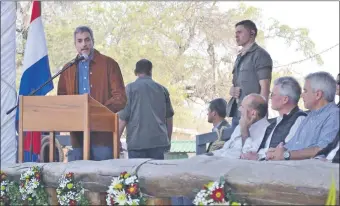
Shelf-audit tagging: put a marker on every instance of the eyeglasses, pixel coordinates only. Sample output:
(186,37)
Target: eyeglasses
(272,95)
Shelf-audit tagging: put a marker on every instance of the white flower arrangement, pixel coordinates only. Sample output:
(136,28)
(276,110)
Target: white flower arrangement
(4,189)
(70,192)
(124,190)
(31,187)
(213,194)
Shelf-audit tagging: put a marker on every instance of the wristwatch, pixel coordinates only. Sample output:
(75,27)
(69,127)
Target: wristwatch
(286,155)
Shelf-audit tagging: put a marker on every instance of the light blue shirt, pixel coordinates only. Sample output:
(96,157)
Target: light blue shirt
(83,75)
(318,129)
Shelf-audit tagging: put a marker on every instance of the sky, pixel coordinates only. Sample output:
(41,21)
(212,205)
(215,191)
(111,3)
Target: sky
(322,20)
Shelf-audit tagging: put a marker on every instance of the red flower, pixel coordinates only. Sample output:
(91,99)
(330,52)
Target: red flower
(218,195)
(132,190)
(122,174)
(72,203)
(69,175)
(3,176)
(112,201)
(37,175)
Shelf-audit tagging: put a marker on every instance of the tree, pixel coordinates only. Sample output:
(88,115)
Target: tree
(191,44)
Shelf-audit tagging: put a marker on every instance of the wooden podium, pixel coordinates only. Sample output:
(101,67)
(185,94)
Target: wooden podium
(66,113)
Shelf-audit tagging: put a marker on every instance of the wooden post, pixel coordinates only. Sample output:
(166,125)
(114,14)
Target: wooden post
(52,146)
(21,132)
(116,142)
(86,147)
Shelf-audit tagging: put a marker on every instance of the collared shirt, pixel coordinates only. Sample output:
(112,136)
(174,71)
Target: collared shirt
(215,128)
(146,112)
(318,129)
(108,88)
(83,75)
(254,65)
(244,50)
(292,131)
(233,147)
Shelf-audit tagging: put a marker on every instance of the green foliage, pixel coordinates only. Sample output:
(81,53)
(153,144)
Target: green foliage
(23,192)
(31,187)
(41,198)
(68,185)
(299,37)
(14,194)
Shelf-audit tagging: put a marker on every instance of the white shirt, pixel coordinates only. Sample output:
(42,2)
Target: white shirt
(263,151)
(331,155)
(233,147)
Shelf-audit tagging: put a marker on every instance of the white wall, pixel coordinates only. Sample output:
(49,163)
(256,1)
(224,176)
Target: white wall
(8,90)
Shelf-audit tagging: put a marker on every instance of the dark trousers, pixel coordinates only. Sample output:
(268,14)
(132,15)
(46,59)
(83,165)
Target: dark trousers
(235,122)
(153,153)
(97,153)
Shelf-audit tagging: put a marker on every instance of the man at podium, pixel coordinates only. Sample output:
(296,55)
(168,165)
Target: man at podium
(100,77)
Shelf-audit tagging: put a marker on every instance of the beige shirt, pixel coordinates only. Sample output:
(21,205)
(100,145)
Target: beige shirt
(233,147)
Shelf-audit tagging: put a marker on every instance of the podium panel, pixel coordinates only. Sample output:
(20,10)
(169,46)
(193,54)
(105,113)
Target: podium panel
(66,113)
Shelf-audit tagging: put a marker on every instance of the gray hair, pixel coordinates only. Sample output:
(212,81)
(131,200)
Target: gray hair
(81,29)
(290,87)
(324,82)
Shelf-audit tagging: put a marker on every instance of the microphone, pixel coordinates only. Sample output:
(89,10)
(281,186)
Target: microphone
(83,57)
(79,58)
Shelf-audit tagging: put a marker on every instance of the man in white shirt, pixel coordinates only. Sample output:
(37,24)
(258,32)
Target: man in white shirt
(248,135)
(284,97)
(331,152)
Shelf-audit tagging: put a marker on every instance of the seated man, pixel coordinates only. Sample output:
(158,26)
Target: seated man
(284,98)
(331,152)
(321,125)
(248,135)
(216,115)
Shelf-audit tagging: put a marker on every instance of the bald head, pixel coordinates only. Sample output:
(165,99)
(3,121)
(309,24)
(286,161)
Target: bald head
(258,103)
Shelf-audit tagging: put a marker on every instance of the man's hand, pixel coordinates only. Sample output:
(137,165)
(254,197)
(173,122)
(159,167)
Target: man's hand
(235,92)
(276,153)
(249,156)
(245,123)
